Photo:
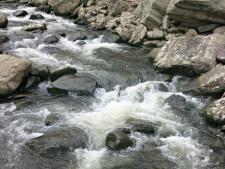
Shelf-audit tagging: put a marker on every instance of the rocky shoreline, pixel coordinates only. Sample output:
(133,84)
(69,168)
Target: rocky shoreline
(186,38)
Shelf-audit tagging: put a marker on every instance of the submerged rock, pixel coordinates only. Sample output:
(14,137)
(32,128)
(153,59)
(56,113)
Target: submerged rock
(12,72)
(189,56)
(3,39)
(109,37)
(51,39)
(215,113)
(3,21)
(58,141)
(20,13)
(119,139)
(55,74)
(142,126)
(51,119)
(34,26)
(177,103)
(80,84)
(36,16)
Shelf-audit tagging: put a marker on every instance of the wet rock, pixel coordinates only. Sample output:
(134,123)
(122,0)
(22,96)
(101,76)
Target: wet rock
(45,8)
(12,72)
(142,126)
(210,83)
(119,139)
(3,21)
(29,83)
(51,39)
(81,43)
(109,37)
(176,102)
(34,26)
(61,33)
(40,71)
(189,56)
(215,113)
(77,36)
(80,84)
(36,16)
(58,141)
(154,43)
(3,39)
(51,20)
(155,34)
(51,119)
(20,13)
(57,73)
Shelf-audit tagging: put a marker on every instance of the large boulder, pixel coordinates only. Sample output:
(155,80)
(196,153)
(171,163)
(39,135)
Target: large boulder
(210,83)
(189,55)
(66,7)
(58,141)
(151,12)
(3,21)
(215,113)
(195,13)
(78,83)
(12,72)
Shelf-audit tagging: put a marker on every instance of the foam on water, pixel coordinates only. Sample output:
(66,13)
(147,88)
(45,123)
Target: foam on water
(142,101)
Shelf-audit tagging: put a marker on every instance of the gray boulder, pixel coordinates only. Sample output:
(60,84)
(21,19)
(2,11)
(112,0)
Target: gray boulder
(12,72)
(189,55)
(3,21)
(119,139)
(58,141)
(195,13)
(152,12)
(212,82)
(79,83)
(66,7)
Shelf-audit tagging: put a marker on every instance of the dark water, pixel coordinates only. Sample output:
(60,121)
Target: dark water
(130,90)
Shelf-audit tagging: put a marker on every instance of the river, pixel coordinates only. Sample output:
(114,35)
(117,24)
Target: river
(130,89)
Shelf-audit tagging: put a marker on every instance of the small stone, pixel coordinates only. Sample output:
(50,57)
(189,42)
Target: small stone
(36,16)
(191,33)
